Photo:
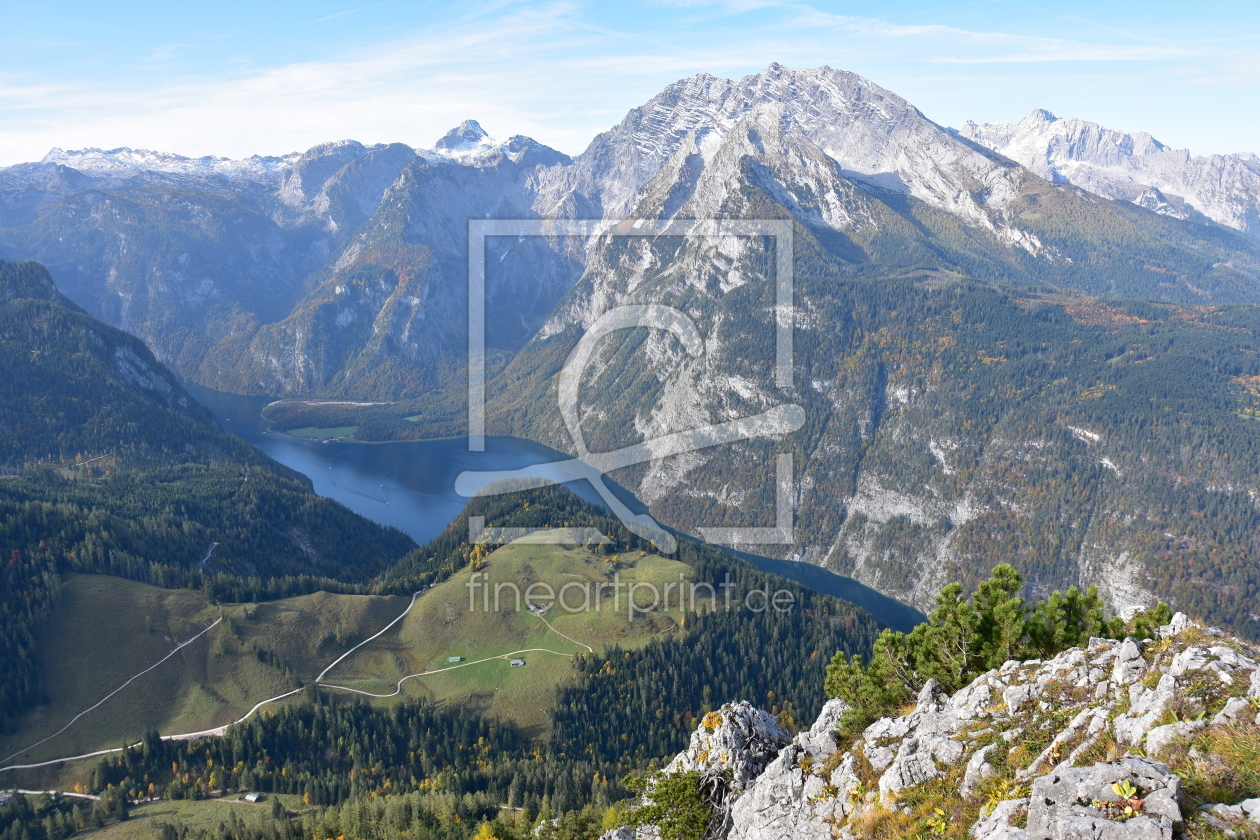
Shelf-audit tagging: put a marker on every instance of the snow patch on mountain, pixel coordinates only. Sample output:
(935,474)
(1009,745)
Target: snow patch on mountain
(1131,167)
(126,162)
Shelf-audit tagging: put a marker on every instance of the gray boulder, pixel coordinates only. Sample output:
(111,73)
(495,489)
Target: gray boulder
(738,738)
(820,741)
(978,769)
(996,825)
(1146,707)
(1161,737)
(1129,663)
(628,833)
(785,803)
(1226,816)
(1237,710)
(1061,805)
(1191,659)
(1180,623)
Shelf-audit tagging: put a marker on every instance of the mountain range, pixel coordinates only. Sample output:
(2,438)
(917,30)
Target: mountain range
(1131,167)
(1033,343)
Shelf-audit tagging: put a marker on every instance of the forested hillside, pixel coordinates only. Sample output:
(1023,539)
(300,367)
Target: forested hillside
(951,422)
(621,711)
(114,469)
(110,467)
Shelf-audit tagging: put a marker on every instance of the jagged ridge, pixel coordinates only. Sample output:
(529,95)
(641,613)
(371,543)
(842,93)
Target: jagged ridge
(1034,743)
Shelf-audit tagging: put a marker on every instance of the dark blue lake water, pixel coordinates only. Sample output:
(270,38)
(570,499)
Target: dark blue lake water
(410,485)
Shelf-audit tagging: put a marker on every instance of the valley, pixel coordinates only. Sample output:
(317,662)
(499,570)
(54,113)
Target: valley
(289,502)
(958,317)
(107,630)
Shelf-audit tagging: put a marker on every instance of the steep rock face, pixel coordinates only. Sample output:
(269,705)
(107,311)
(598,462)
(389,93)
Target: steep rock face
(874,135)
(1131,167)
(887,189)
(1027,738)
(225,266)
(738,740)
(388,314)
(906,471)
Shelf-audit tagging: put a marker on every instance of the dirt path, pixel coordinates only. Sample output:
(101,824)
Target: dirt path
(182,736)
(73,720)
(319,681)
(398,689)
(561,635)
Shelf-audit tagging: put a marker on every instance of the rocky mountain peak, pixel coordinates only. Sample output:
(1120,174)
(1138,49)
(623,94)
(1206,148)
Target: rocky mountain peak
(874,136)
(124,163)
(1125,165)
(462,137)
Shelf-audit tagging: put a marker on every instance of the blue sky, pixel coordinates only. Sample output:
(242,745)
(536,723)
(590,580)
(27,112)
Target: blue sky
(236,78)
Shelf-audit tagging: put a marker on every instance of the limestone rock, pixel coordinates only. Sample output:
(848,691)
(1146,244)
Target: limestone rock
(1016,696)
(738,738)
(1179,624)
(815,785)
(625,832)
(1129,663)
(820,740)
(1190,659)
(1061,804)
(1237,710)
(1146,707)
(978,769)
(1159,738)
(785,803)
(997,824)
(1225,816)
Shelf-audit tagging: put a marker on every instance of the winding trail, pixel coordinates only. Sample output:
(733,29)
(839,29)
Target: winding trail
(398,689)
(53,793)
(183,736)
(319,681)
(111,694)
(561,635)
(414,596)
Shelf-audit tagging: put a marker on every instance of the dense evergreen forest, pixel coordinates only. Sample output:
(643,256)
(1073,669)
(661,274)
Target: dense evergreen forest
(952,422)
(417,766)
(109,466)
(116,471)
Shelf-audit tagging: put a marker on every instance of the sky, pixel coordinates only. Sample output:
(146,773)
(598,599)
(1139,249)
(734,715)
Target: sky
(235,78)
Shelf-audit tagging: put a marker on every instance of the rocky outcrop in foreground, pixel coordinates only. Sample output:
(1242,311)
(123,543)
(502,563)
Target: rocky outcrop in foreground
(1119,740)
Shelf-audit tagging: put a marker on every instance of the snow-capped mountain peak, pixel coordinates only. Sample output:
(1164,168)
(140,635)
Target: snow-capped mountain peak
(1128,165)
(468,144)
(126,162)
(463,137)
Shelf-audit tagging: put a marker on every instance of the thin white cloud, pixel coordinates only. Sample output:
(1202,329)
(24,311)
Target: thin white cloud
(547,71)
(336,15)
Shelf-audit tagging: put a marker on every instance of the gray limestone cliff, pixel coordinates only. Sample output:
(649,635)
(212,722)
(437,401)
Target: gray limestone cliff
(1110,741)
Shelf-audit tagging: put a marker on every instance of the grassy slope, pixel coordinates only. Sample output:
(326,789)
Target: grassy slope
(206,814)
(443,625)
(105,630)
